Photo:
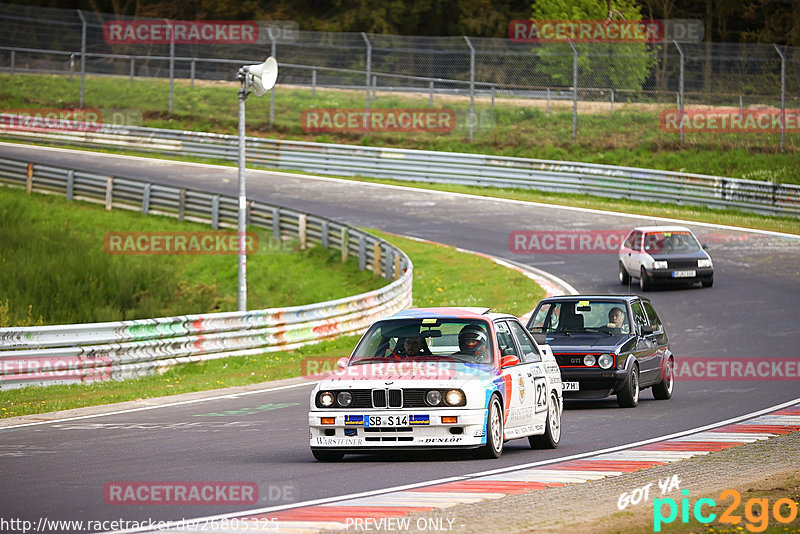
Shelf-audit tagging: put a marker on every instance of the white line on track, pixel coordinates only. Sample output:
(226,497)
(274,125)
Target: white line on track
(490,472)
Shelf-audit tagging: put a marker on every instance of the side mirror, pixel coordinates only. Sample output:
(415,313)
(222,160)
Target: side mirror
(647,330)
(705,246)
(509,360)
(341,363)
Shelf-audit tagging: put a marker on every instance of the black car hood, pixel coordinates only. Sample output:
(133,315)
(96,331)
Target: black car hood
(577,342)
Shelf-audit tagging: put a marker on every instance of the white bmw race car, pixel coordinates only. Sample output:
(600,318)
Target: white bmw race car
(439,378)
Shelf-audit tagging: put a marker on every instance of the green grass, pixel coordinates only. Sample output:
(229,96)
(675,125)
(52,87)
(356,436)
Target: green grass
(54,268)
(630,136)
(442,277)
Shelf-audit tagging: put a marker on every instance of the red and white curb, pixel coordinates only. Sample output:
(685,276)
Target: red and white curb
(341,514)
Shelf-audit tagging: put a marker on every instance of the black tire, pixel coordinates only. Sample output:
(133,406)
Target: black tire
(709,282)
(624,277)
(552,427)
(644,282)
(323,455)
(494,431)
(663,390)
(628,397)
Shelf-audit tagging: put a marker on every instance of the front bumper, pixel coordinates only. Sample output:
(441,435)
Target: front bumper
(594,383)
(665,276)
(427,430)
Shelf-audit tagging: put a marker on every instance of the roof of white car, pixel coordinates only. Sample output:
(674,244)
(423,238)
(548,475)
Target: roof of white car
(666,228)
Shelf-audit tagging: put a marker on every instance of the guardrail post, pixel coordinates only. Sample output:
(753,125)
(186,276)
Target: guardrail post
(71,64)
(109,192)
(83,54)
(376,259)
(70,183)
(215,212)
(276,224)
(345,244)
(547,109)
(323,238)
(14,62)
(493,91)
(430,100)
(301,230)
(783,95)
(471,87)
(29,179)
(146,198)
(181,204)
(397,266)
(314,82)
(366,83)
(362,253)
(191,72)
(374,87)
(574,92)
(387,271)
(612,100)
(133,68)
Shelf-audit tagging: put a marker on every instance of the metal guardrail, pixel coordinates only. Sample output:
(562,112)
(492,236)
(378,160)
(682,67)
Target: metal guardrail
(444,167)
(117,350)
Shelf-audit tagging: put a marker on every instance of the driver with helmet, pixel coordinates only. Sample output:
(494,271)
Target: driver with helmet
(472,341)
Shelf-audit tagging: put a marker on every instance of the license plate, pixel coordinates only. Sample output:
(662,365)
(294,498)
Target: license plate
(570,386)
(683,274)
(385,420)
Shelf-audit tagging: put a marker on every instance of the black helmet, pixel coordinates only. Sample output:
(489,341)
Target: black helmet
(472,339)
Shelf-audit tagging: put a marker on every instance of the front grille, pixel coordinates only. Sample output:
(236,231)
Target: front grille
(379,398)
(397,398)
(682,264)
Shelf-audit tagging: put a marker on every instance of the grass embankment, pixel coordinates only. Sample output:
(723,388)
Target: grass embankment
(514,127)
(442,277)
(55,269)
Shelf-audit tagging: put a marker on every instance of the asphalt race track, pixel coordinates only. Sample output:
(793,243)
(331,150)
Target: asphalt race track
(60,469)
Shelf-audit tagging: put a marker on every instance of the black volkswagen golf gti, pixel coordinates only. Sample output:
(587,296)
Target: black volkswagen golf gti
(606,345)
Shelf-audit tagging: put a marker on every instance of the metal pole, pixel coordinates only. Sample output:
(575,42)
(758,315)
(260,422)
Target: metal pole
(783,94)
(471,87)
(171,62)
(741,108)
(374,87)
(612,100)
(493,89)
(133,68)
(71,64)
(242,226)
(191,72)
(430,100)
(681,94)
(366,83)
(83,55)
(574,92)
(272,91)
(14,61)
(314,82)
(548,101)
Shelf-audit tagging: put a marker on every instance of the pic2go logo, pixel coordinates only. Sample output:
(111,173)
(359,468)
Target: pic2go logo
(756,511)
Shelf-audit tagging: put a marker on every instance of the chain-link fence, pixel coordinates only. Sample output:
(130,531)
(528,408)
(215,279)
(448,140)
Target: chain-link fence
(603,95)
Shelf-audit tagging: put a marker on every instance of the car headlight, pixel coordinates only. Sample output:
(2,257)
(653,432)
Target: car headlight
(660,265)
(344,398)
(327,399)
(704,263)
(433,397)
(589,360)
(454,397)
(605,361)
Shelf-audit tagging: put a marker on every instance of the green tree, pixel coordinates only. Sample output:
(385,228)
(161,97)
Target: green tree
(601,65)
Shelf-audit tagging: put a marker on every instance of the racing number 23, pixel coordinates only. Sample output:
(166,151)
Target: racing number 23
(540,385)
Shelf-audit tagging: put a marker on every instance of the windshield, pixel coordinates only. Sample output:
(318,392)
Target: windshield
(670,242)
(425,339)
(578,316)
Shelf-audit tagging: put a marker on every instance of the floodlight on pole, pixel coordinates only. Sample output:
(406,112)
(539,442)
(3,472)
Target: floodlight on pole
(257,79)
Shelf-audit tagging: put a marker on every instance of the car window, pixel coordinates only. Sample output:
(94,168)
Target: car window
(545,319)
(652,316)
(638,314)
(529,351)
(672,242)
(505,341)
(633,241)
